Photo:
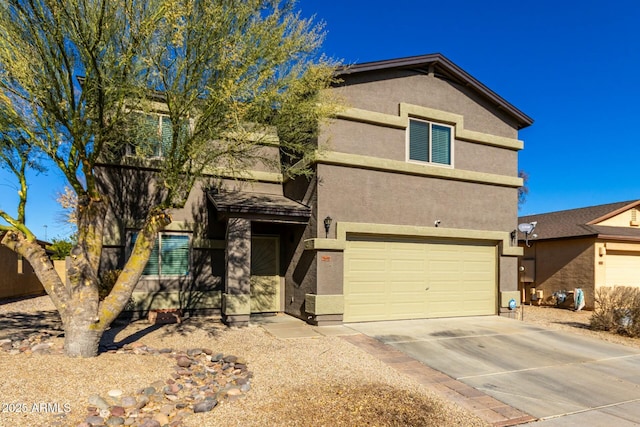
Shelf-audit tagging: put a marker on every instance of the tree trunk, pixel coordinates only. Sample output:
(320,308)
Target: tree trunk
(80,339)
(84,316)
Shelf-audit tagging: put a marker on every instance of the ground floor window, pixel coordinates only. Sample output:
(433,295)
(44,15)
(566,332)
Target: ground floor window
(170,256)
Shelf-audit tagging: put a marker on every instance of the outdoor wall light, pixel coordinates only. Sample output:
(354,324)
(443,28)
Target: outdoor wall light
(327,226)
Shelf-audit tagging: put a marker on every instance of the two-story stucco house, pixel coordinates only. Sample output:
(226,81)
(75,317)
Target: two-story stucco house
(409,213)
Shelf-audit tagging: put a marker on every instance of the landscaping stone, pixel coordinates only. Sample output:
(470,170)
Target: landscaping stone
(204,406)
(117,411)
(98,402)
(194,352)
(36,343)
(184,362)
(200,379)
(129,402)
(94,420)
(115,393)
(115,421)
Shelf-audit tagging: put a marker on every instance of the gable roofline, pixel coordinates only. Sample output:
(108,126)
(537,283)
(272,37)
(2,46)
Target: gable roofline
(581,222)
(447,68)
(614,213)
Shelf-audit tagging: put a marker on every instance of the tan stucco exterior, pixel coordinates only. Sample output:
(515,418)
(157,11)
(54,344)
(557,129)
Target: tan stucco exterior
(562,265)
(384,91)
(367,186)
(363,180)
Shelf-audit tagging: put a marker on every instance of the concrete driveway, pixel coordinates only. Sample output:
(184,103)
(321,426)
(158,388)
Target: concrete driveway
(555,376)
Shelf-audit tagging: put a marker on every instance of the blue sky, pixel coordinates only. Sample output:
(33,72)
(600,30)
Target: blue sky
(573,66)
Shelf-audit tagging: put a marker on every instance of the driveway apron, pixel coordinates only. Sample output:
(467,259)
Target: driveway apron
(553,375)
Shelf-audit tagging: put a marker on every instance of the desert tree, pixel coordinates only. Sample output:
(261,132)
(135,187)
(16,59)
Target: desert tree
(523,191)
(78,78)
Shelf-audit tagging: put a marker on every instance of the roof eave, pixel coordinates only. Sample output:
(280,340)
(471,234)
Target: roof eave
(522,119)
(614,213)
(615,237)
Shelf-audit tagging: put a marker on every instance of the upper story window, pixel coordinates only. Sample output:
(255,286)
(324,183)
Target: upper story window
(430,142)
(170,255)
(152,136)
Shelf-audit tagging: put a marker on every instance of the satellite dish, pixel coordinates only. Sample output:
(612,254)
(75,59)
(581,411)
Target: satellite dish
(527,228)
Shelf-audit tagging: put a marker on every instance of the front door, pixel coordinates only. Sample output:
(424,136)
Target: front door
(265,274)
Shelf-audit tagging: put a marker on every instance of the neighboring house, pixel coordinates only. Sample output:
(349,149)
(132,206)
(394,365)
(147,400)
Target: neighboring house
(17,278)
(409,213)
(582,248)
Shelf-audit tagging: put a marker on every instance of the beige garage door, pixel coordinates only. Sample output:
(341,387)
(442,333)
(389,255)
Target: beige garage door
(623,268)
(391,279)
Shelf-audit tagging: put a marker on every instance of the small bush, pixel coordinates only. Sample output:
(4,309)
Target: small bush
(617,309)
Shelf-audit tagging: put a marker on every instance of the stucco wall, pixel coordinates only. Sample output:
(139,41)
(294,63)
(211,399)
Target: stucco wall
(14,284)
(390,143)
(564,265)
(302,269)
(359,195)
(383,91)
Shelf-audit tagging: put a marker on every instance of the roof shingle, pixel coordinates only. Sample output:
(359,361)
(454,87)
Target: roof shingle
(575,222)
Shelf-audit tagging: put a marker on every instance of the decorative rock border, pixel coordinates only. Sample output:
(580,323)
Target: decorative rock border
(201,378)
(36,343)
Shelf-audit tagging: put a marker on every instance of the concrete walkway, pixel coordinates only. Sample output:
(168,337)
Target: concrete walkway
(482,405)
(285,326)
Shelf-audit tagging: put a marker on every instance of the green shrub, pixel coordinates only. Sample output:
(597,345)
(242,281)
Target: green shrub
(60,248)
(617,309)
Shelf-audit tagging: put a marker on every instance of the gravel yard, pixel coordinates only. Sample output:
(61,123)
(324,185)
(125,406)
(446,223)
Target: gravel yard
(322,381)
(298,382)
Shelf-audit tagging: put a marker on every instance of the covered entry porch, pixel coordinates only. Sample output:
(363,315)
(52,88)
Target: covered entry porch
(255,225)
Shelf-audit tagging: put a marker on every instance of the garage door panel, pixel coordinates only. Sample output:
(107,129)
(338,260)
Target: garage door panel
(418,279)
(368,313)
(469,279)
(368,287)
(408,298)
(411,265)
(366,265)
(476,266)
(404,312)
(623,268)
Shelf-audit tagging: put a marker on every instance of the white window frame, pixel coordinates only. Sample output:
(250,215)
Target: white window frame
(160,275)
(430,162)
